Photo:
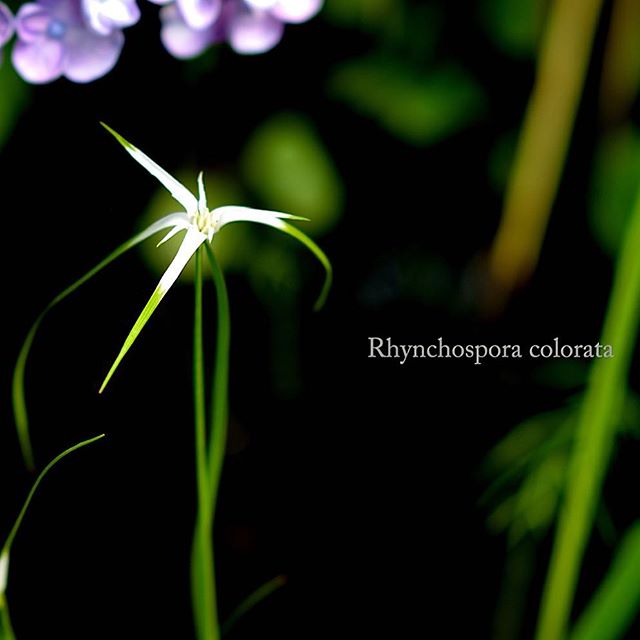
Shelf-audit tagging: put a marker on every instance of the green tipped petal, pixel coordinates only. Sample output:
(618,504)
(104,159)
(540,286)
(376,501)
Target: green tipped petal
(175,188)
(18,395)
(192,240)
(4,570)
(275,219)
(232,213)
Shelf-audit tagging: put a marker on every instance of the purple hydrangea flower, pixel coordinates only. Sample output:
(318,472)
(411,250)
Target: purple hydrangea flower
(104,16)
(6,25)
(197,14)
(250,26)
(54,40)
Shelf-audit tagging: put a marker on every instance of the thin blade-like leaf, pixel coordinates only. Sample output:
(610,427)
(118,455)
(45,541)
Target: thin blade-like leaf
(18,395)
(617,600)
(192,240)
(6,630)
(175,188)
(14,530)
(254,599)
(274,219)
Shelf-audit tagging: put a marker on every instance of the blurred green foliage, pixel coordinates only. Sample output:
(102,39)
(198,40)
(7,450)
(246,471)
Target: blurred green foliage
(418,107)
(287,165)
(14,95)
(614,186)
(515,27)
(614,605)
(528,469)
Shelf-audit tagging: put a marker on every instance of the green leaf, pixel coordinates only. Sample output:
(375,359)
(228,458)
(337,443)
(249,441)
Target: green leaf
(615,604)
(254,599)
(419,108)
(615,182)
(288,166)
(14,95)
(6,631)
(14,530)
(18,394)
(514,26)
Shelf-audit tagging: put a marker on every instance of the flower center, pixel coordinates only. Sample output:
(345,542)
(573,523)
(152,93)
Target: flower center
(56,29)
(206,221)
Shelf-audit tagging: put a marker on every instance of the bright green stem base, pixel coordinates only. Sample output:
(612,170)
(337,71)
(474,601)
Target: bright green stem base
(594,440)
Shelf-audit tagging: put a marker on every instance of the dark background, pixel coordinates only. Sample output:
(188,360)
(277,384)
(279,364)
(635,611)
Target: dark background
(361,485)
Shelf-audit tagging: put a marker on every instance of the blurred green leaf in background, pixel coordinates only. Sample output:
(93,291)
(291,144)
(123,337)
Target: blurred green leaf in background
(418,107)
(287,165)
(614,186)
(14,95)
(514,27)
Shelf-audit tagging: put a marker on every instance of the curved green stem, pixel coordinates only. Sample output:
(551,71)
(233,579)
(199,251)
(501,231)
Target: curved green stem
(594,439)
(203,577)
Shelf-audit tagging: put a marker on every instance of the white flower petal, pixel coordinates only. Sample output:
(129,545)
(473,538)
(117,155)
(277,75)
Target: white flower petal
(190,243)
(173,232)
(177,190)
(231,213)
(276,220)
(177,220)
(4,570)
(202,194)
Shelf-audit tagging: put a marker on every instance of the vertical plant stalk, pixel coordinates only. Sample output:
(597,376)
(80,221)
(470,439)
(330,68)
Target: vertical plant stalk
(544,141)
(594,439)
(203,585)
(220,392)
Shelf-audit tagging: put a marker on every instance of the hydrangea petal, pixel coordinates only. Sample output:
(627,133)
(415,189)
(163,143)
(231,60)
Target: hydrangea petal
(31,22)
(200,14)
(252,32)
(38,62)
(261,4)
(106,15)
(89,55)
(296,11)
(179,39)
(6,24)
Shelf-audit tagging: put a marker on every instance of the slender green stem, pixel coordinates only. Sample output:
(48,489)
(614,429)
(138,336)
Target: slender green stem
(204,595)
(220,391)
(594,439)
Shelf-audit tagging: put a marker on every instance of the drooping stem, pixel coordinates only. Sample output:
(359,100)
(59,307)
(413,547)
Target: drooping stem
(219,396)
(594,439)
(203,584)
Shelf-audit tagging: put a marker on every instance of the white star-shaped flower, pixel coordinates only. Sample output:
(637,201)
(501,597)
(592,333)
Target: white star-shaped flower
(201,225)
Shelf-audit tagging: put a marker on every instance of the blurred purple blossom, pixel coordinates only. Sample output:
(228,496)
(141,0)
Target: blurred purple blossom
(106,15)
(6,24)
(250,26)
(55,40)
